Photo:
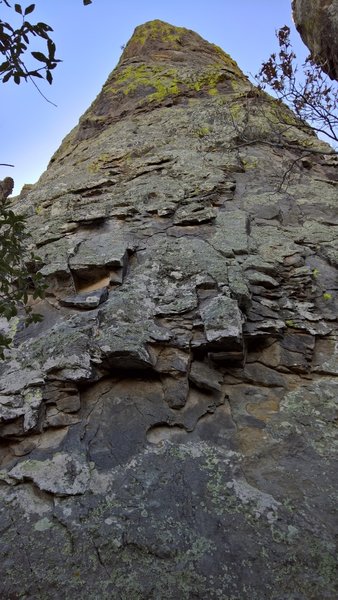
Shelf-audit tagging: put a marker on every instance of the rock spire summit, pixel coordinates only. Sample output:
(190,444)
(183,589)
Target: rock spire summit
(161,65)
(157,41)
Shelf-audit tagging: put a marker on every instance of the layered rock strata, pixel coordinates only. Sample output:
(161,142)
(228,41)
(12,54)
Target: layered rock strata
(168,430)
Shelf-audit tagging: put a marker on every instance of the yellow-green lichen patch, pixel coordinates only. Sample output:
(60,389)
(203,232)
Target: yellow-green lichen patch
(279,114)
(100,163)
(229,62)
(249,164)
(160,81)
(157,30)
(237,111)
(157,82)
(236,85)
(207,79)
(290,323)
(260,117)
(202,131)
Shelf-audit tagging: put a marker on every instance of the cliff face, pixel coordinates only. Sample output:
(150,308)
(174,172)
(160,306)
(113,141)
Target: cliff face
(168,430)
(317,23)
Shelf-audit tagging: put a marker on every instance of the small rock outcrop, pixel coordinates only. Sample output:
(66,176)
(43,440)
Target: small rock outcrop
(6,187)
(317,23)
(168,431)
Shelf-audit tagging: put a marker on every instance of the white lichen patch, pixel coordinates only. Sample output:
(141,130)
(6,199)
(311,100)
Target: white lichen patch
(61,475)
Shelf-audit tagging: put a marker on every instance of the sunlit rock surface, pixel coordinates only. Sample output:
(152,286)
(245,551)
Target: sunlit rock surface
(168,430)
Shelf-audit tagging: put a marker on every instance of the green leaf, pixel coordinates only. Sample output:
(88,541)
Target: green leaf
(18,8)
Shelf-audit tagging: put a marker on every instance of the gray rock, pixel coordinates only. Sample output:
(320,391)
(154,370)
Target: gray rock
(222,321)
(89,300)
(231,236)
(176,440)
(204,377)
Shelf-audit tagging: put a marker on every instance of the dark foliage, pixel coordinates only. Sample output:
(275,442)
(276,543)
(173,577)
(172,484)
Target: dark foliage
(307,90)
(18,281)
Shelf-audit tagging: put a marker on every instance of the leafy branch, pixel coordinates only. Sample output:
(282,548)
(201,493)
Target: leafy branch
(18,283)
(309,93)
(14,44)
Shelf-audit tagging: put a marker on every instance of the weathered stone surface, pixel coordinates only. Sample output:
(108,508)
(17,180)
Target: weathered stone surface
(222,322)
(317,23)
(204,377)
(89,300)
(177,440)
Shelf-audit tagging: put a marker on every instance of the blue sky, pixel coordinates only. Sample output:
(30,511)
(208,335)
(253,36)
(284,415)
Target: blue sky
(89,41)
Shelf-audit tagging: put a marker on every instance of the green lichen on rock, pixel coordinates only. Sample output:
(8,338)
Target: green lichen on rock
(229,62)
(157,30)
(237,110)
(154,83)
(207,80)
(202,131)
(102,162)
(160,79)
(160,36)
(317,407)
(158,73)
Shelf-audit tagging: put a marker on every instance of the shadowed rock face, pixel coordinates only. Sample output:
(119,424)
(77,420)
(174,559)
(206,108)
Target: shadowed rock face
(168,430)
(317,23)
